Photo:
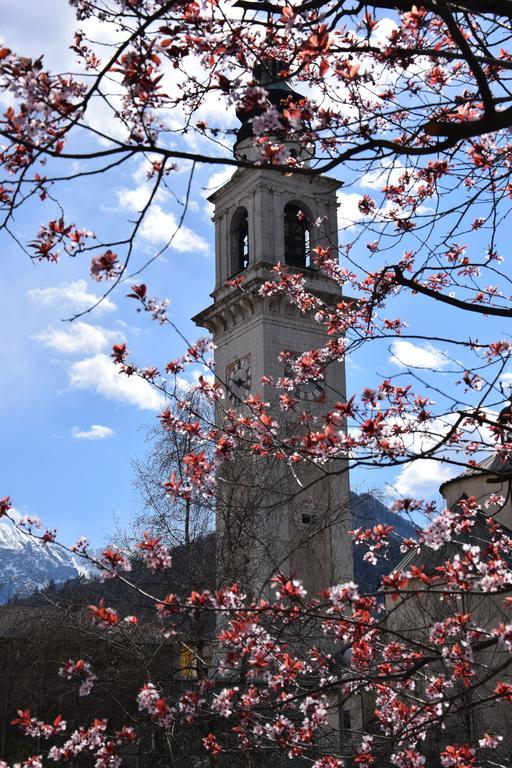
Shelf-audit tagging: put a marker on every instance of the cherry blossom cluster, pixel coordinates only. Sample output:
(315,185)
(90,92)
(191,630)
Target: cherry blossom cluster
(94,741)
(31,726)
(114,561)
(105,266)
(150,700)
(404,675)
(83,671)
(156,308)
(43,105)
(55,234)
(155,554)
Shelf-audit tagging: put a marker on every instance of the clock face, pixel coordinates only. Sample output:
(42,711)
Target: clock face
(238,379)
(310,390)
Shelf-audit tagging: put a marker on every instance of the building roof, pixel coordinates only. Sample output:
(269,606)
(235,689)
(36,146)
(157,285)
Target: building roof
(266,74)
(430,558)
(491,465)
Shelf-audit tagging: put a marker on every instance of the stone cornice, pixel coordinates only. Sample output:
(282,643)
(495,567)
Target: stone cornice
(232,306)
(327,182)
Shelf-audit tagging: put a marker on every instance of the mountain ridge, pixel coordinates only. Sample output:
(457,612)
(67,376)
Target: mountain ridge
(28,567)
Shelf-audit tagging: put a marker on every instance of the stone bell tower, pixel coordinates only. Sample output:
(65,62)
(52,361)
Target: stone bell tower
(271,516)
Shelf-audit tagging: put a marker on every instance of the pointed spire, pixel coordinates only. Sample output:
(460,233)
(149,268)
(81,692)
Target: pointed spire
(267,74)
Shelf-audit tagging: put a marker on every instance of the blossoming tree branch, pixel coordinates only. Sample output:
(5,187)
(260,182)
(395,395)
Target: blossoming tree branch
(416,100)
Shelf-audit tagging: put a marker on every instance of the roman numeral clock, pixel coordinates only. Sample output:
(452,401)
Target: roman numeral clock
(238,380)
(310,391)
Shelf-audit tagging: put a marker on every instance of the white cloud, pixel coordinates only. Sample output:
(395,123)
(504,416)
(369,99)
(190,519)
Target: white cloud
(49,31)
(191,379)
(405,355)
(136,198)
(387,172)
(140,174)
(99,374)
(79,338)
(382,31)
(74,295)
(348,209)
(158,228)
(506,381)
(216,180)
(422,478)
(421,437)
(96,432)
(133,198)
(214,109)
(349,213)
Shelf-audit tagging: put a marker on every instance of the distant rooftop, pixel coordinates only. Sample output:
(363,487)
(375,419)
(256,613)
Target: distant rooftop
(491,465)
(430,559)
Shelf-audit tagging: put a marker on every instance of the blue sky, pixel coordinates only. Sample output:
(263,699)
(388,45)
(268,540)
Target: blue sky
(70,424)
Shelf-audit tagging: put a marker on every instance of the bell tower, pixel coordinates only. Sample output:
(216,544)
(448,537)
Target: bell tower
(272,516)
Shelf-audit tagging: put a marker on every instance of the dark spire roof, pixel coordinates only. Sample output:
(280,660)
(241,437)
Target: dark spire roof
(267,74)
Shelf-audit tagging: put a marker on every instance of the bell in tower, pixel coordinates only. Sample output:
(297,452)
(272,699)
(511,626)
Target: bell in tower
(270,516)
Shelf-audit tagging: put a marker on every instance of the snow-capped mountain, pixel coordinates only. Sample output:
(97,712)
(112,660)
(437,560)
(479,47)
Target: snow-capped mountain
(27,565)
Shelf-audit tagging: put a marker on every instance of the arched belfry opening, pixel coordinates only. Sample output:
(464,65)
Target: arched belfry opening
(297,248)
(239,237)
